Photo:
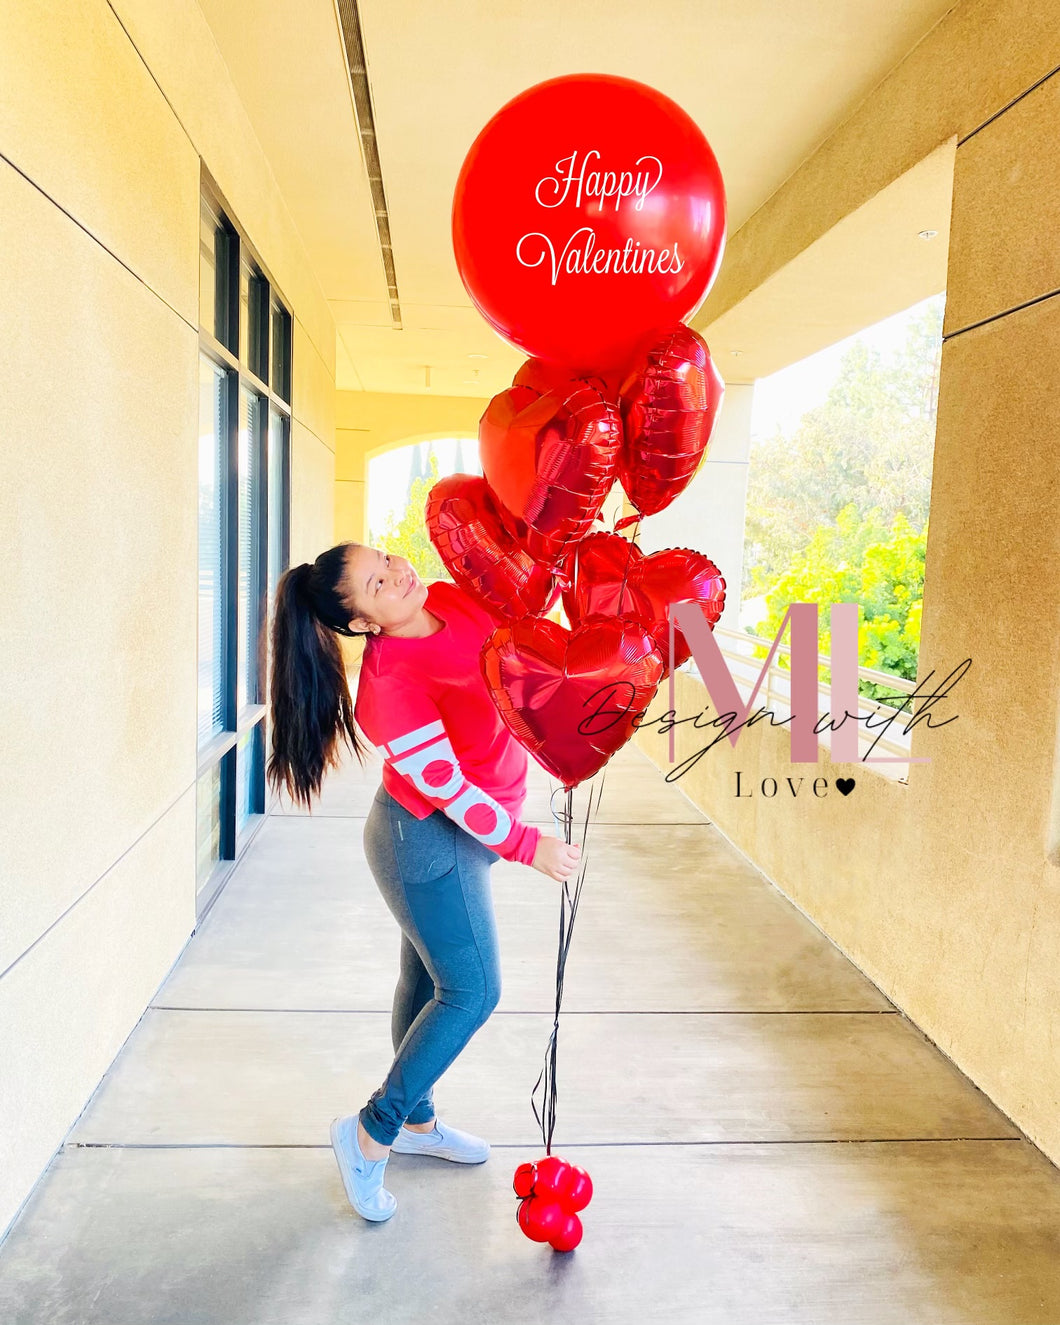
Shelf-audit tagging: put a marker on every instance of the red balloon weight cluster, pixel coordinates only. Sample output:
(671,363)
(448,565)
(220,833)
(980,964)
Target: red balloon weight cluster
(588,214)
(552,1194)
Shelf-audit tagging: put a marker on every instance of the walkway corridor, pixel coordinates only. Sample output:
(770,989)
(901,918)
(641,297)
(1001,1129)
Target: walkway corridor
(770,1140)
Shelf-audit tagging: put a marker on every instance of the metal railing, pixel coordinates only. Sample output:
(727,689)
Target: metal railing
(737,648)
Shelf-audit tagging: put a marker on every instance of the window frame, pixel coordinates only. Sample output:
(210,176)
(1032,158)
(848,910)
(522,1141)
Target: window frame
(220,751)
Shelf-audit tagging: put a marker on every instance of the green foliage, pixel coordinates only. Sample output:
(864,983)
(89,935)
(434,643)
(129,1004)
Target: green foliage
(860,560)
(870,443)
(407,536)
(838,512)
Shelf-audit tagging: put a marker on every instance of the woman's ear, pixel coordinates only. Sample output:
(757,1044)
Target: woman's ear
(363,627)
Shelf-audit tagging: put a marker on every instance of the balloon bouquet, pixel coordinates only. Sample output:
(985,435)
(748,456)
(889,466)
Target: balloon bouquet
(588,220)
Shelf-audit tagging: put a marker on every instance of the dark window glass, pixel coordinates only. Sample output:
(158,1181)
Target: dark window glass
(218,253)
(244,523)
(251,584)
(279,470)
(254,320)
(281,351)
(208,816)
(249,784)
(213,466)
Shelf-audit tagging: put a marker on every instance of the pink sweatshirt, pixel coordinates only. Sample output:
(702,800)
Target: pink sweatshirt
(424,703)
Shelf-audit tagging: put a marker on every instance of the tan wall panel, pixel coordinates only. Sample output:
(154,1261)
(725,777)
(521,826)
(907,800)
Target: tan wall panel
(312,495)
(64,1011)
(979,57)
(992,593)
(98,481)
(953,909)
(390,419)
(351,513)
(313,388)
(131,179)
(372,421)
(1006,212)
(870,265)
(177,44)
(98,500)
(351,462)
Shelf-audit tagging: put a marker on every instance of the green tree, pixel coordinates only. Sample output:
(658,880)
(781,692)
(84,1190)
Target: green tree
(407,534)
(869,444)
(859,559)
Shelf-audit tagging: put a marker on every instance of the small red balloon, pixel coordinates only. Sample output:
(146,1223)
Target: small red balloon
(589,211)
(523,1182)
(522,1216)
(669,406)
(552,1174)
(578,1190)
(568,1233)
(465,526)
(540,1218)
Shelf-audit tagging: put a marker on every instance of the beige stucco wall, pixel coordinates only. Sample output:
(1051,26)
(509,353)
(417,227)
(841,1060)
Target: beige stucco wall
(370,422)
(946,891)
(103,122)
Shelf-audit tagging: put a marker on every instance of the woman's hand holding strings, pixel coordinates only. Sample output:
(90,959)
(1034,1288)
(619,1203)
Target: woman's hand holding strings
(556,858)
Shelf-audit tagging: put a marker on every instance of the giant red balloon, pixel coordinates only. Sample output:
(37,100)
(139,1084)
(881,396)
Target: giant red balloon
(589,212)
(614,577)
(571,697)
(466,528)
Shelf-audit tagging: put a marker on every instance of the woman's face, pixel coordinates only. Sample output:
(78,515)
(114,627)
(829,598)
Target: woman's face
(384,590)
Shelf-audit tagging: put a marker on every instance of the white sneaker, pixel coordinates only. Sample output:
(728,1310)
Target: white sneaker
(362,1178)
(444,1143)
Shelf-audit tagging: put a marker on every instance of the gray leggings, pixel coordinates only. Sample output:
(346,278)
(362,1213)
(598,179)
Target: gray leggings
(434,877)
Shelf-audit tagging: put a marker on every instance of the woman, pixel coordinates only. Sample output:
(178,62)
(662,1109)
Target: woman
(454,781)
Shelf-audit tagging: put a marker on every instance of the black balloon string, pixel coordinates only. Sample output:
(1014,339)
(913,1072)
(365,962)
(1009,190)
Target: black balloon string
(568,910)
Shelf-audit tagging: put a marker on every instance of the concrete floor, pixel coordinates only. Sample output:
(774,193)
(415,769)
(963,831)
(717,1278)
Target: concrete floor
(769,1139)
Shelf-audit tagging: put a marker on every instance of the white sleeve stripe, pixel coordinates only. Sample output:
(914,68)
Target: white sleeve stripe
(412,739)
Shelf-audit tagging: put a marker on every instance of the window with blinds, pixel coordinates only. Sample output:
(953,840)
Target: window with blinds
(213,427)
(244,529)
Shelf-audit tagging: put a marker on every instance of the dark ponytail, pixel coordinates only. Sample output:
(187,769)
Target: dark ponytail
(311,706)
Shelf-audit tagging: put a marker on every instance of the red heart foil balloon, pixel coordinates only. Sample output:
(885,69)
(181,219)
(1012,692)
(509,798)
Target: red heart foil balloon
(669,404)
(613,577)
(570,697)
(543,376)
(549,453)
(465,526)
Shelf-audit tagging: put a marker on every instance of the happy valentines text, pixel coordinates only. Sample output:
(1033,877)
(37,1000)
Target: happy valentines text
(579,179)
